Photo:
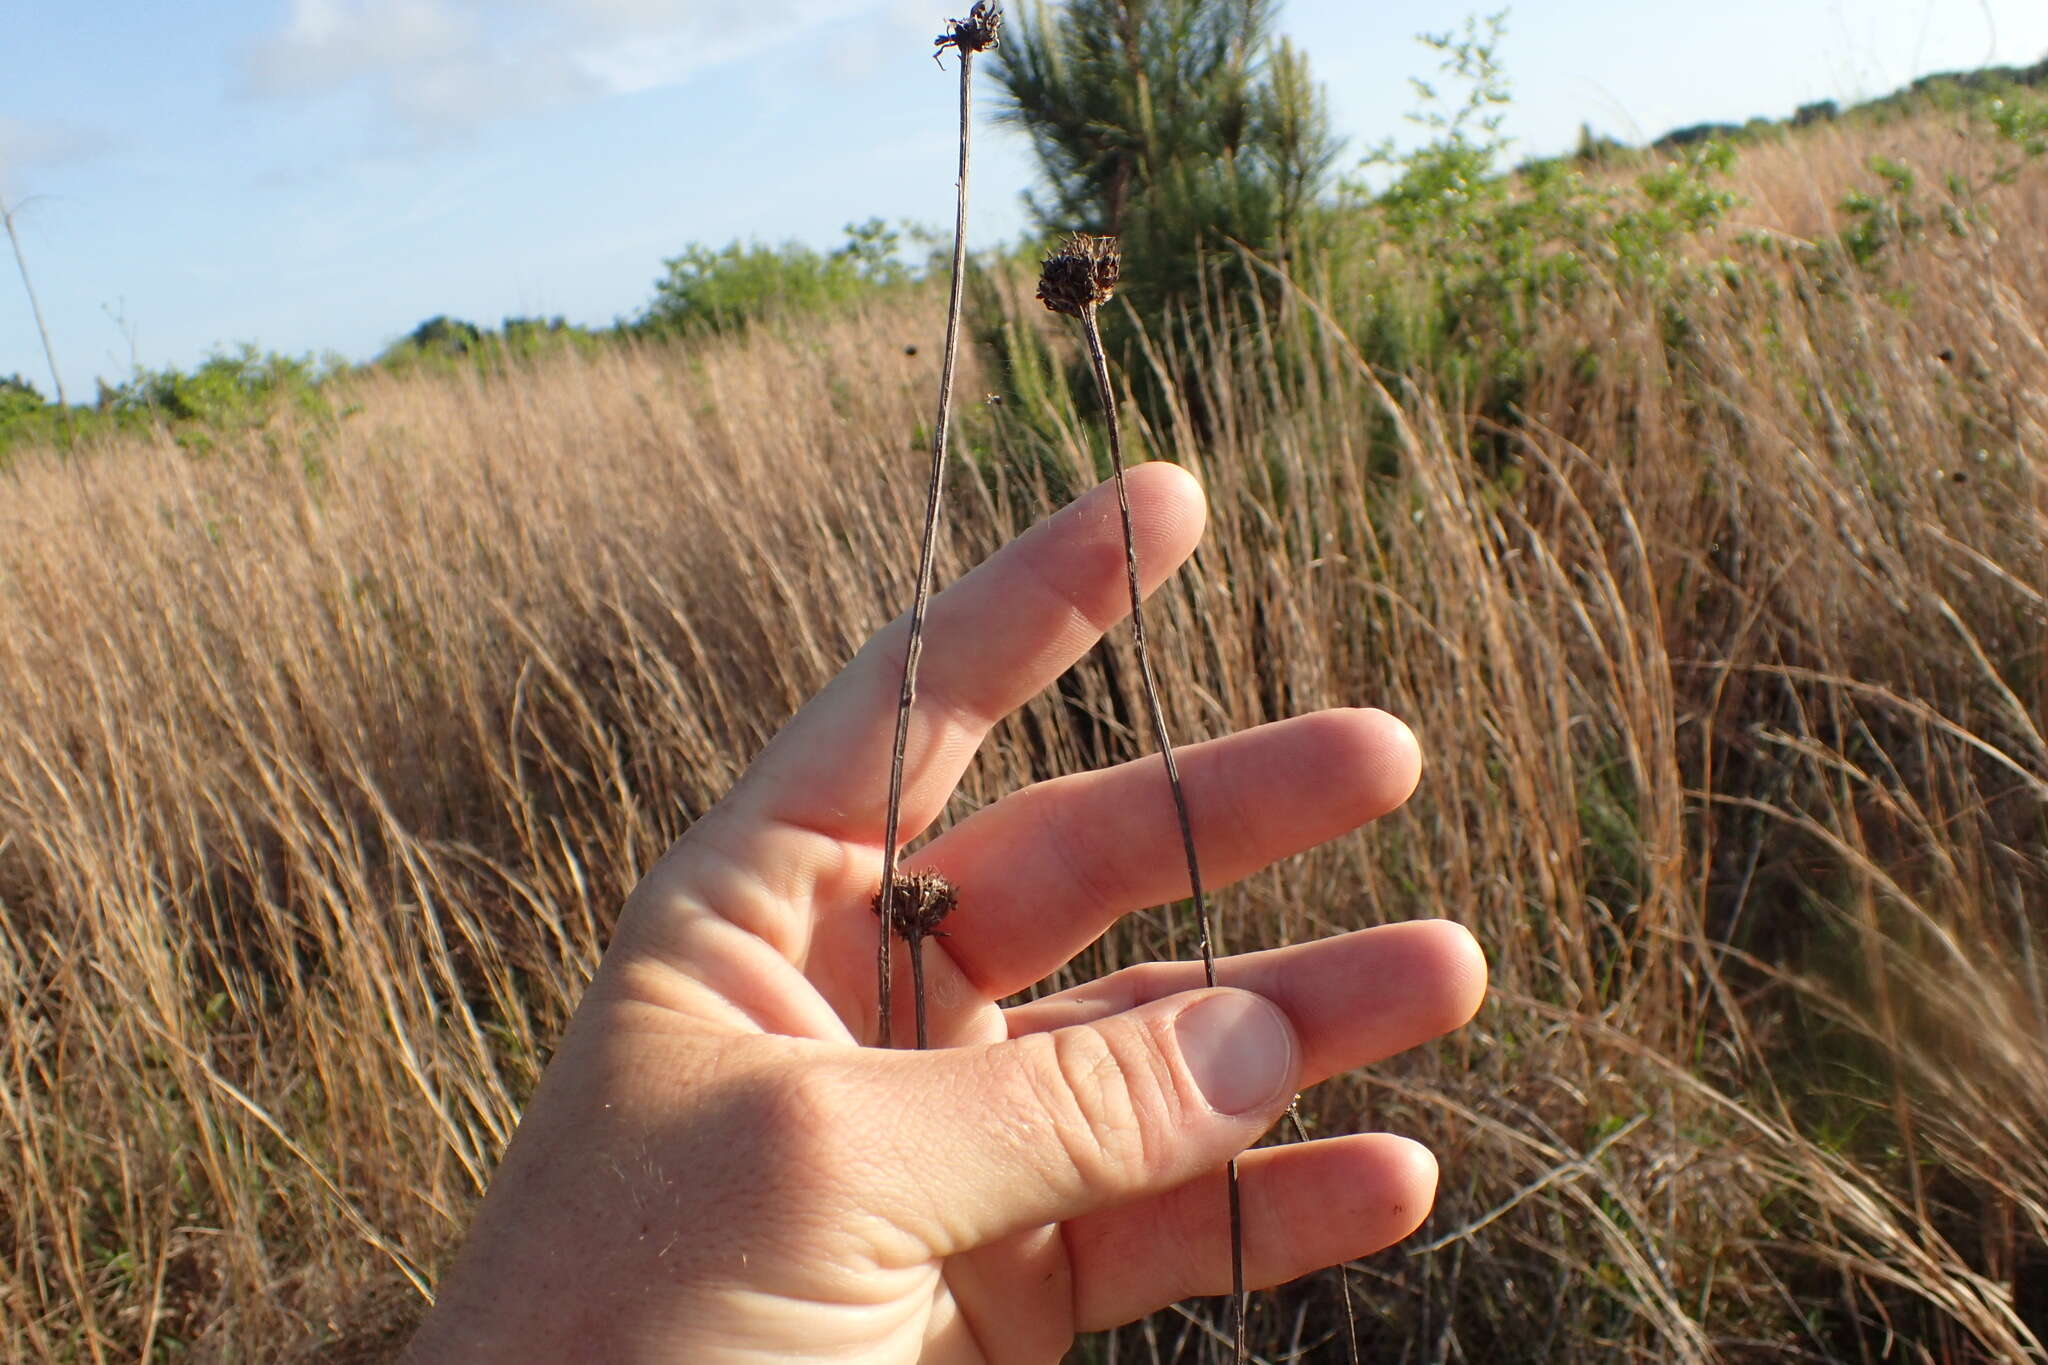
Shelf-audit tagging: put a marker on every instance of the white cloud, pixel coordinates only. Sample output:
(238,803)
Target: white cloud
(439,64)
(24,144)
(328,43)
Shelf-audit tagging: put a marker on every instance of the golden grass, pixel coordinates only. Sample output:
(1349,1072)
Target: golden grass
(324,763)
(1794,184)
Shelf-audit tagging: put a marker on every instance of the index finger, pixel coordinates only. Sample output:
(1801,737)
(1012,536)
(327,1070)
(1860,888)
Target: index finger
(1354,998)
(992,640)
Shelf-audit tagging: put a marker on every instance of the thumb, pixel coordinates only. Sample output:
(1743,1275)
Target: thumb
(1048,1126)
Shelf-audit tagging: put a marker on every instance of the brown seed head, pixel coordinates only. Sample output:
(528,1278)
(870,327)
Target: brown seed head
(1081,275)
(977,32)
(922,900)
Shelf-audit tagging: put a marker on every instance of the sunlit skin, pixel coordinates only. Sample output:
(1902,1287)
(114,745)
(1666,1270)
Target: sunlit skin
(715,1169)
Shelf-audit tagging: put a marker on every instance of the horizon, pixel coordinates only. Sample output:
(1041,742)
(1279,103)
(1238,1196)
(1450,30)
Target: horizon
(317,177)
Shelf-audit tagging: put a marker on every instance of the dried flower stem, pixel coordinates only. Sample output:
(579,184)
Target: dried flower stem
(36,308)
(1343,1268)
(1096,358)
(1104,272)
(915,906)
(915,942)
(967,36)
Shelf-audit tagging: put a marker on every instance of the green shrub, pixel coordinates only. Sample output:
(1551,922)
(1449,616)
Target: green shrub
(444,344)
(18,398)
(1458,256)
(1897,209)
(2021,119)
(724,289)
(237,388)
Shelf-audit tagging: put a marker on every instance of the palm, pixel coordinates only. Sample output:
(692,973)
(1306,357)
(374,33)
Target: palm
(714,1078)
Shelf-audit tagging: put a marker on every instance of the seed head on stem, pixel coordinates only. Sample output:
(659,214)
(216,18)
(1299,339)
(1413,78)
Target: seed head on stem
(919,902)
(976,33)
(1077,279)
(1081,274)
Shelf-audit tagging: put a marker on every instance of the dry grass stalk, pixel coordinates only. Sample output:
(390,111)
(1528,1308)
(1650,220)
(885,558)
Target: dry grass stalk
(1343,1273)
(978,32)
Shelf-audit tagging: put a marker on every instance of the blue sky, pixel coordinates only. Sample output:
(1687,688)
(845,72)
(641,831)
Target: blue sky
(320,175)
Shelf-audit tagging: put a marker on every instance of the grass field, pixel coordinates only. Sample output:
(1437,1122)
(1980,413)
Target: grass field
(326,757)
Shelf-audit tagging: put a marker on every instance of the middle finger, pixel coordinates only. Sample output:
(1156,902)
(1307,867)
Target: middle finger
(1045,870)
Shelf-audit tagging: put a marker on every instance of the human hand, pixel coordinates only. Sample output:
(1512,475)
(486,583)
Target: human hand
(714,1169)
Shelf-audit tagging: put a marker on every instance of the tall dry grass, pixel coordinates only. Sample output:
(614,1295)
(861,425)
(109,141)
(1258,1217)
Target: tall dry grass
(325,762)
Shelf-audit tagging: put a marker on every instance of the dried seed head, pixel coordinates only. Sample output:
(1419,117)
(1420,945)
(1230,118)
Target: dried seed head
(1081,275)
(977,32)
(922,900)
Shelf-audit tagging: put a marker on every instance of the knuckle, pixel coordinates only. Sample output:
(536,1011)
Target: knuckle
(794,1111)
(1116,1102)
(1151,980)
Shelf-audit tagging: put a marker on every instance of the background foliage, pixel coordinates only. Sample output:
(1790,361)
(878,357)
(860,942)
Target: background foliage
(1180,126)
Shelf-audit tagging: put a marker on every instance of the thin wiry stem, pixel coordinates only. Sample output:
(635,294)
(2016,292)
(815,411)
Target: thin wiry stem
(1343,1270)
(1100,363)
(35,307)
(885,926)
(916,943)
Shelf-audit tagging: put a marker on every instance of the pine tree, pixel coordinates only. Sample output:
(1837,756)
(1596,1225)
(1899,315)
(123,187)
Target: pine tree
(1176,125)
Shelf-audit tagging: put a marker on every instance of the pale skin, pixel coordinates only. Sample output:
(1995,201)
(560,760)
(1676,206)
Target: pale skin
(715,1169)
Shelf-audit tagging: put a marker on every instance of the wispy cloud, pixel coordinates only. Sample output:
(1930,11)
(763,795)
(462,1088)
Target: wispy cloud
(441,65)
(25,145)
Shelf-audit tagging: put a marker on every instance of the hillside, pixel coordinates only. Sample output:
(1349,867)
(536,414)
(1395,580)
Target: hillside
(1707,556)
(1936,93)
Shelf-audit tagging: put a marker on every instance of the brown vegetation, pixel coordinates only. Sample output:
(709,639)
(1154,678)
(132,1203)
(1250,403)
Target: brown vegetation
(324,763)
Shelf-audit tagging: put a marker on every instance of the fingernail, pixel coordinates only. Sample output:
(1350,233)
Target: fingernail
(1239,1050)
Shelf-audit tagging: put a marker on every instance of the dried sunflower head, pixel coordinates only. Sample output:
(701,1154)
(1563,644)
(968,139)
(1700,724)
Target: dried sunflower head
(1081,274)
(978,32)
(922,900)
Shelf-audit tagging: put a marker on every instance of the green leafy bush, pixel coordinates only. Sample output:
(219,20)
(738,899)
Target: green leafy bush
(236,388)
(18,398)
(1457,255)
(1898,209)
(724,289)
(2022,120)
(442,343)
(25,417)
